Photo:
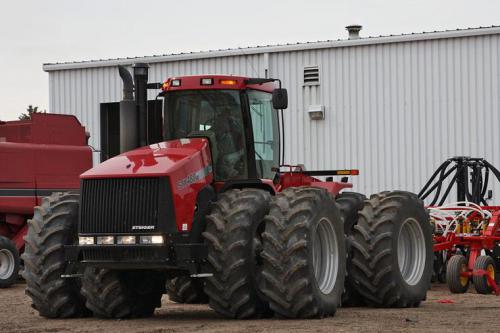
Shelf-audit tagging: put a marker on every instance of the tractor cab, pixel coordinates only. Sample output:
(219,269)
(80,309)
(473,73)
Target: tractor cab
(236,116)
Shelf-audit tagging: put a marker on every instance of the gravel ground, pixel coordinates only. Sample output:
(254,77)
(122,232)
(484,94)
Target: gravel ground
(458,313)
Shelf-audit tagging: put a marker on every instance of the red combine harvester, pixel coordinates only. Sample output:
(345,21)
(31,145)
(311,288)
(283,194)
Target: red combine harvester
(213,204)
(467,232)
(37,157)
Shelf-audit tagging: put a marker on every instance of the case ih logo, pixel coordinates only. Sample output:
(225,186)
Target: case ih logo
(143,227)
(194,177)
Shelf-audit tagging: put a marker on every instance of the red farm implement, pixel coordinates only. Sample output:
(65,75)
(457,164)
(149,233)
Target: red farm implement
(39,156)
(467,232)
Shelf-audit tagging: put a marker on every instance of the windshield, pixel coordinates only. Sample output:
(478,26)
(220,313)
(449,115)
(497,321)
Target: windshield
(216,115)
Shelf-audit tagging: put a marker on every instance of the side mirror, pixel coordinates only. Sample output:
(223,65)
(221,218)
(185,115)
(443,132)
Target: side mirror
(280,99)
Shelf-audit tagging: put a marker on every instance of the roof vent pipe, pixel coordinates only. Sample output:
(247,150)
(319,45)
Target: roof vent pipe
(354,30)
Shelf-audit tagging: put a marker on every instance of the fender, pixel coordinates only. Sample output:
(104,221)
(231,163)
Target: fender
(263,184)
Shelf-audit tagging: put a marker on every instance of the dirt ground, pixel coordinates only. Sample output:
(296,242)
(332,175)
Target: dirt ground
(463,314)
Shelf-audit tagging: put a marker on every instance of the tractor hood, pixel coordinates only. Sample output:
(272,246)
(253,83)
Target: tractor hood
(186,163)
(178,157)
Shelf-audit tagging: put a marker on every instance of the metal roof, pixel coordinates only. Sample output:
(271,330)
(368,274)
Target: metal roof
(468,32)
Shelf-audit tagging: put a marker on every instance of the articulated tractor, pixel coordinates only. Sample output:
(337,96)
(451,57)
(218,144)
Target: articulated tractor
(213,207)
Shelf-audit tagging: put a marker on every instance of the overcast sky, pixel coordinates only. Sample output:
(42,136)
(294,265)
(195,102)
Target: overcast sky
(33,32)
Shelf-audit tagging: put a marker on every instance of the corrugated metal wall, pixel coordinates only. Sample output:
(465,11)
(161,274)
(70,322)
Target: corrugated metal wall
(395,111)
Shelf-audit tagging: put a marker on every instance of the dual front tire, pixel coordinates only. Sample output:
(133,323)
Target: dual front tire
(104,293)
(282,255)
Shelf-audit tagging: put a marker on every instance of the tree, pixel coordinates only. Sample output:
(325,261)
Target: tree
(29,111)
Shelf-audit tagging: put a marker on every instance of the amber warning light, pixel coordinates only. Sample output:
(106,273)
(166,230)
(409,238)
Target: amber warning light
(352,172)
(228,82)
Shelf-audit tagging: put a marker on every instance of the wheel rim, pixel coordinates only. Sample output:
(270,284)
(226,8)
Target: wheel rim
(411,251)
(325,256)
(491,272)
(464,280)
(7,264)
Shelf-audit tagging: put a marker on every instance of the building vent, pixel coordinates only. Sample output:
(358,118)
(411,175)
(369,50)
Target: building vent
(311,75)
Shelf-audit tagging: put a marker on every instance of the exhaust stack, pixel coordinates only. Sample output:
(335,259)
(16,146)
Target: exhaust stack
(128,113)
(141,101)
(134,108)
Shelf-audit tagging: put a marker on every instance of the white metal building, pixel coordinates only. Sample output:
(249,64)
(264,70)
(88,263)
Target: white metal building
(394,106)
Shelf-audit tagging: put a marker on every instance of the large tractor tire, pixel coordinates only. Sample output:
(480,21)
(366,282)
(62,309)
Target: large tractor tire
(122,294)
(9,262)
(184,289)
(349,204)
(392,254)
(233,233)
(457,283)
(487,264)
(304,254)
(53,226)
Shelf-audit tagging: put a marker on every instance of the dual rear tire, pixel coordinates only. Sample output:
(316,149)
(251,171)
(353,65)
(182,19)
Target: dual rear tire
(122,294)
(186,290)
(392,256)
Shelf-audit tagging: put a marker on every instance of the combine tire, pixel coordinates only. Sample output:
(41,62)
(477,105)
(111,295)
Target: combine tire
(485,263)
(53,226)
(184,289)
(455,267)
(349,204)
(304,254)
(233,239)
(122,294)
(9,262)
(392,250)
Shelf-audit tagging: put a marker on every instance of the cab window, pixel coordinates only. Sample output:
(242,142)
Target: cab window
(265,133)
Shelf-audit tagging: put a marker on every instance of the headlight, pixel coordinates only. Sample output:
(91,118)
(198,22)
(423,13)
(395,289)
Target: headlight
(126,240)
(151,239)
(86,240)
(105,240)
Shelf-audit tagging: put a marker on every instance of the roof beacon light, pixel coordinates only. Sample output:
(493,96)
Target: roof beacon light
(175,83)
(228,82)
(208,81)
(165,85)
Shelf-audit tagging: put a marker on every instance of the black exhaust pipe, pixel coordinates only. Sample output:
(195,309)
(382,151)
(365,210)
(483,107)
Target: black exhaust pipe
(128,83)
(128,113)
(141,101)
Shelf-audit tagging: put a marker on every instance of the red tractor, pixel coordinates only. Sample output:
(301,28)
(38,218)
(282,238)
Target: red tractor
(212,203)
(39,156)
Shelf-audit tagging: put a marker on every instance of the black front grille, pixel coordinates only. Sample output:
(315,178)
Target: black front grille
(125,205)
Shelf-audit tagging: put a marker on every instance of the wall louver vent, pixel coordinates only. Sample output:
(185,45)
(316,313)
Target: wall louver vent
(311,75)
